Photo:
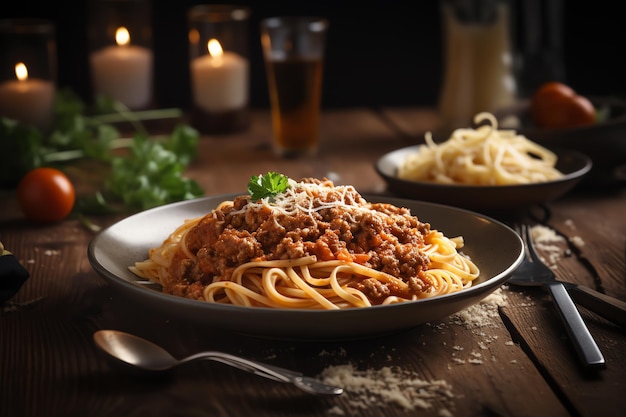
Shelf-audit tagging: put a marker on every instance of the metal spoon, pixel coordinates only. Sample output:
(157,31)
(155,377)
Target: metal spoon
(141,353)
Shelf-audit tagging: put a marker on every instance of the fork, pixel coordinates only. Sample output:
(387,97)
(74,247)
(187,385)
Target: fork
(533,269)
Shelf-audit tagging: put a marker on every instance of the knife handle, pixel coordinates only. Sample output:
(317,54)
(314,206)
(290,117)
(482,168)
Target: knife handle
(586,347)
(610,308)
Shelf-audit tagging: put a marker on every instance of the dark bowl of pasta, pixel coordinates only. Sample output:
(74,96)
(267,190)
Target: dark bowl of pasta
(494,249)
(485,169)
(493,199)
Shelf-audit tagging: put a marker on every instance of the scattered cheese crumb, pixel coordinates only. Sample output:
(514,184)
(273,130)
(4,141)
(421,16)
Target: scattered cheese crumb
(578,241)
(481,313)
(336,410)
(544,239)
(367,388)
(543,234)
(445,413)
(341,352)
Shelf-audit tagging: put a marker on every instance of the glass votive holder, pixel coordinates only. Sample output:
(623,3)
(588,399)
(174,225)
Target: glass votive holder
(120,56)
(219,67)
(28,69)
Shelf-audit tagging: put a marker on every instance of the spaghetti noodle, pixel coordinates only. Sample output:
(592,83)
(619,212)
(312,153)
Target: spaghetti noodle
(313,246)
(482,156)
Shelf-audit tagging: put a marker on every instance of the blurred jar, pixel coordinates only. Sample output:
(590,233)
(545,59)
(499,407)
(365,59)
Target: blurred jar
(478,60)
(28,70)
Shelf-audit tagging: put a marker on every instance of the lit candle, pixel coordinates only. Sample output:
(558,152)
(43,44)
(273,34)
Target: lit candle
(123,72)
(220,80)
(27,100)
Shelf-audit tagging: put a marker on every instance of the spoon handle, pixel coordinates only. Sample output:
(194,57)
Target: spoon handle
(272,372)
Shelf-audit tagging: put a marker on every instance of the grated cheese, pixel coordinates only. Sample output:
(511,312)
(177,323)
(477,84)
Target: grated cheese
(544,239)
(578,241)
(367,388)
(305,197)
(481,314)
(543,234)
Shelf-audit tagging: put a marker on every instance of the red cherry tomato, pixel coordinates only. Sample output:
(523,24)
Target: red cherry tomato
(556,105)
(46,195)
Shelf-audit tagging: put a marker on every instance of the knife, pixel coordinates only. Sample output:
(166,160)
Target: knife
(610,308)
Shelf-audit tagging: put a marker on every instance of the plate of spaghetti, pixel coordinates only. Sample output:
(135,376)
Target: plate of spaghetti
(484,168)
(307,260)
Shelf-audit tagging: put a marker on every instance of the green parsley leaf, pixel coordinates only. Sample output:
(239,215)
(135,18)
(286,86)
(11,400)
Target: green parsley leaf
(268,185)
(153,173)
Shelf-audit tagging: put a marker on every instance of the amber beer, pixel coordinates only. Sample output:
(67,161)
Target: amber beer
(295,87)
(293,50)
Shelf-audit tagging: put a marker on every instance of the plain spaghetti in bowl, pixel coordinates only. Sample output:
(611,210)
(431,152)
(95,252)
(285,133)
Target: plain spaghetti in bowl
(313,245)
(482,156)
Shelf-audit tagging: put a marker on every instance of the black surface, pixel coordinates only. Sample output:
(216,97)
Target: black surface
(379,54)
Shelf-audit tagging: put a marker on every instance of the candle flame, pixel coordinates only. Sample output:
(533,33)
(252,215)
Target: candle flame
(215,49)
(21,72)
(122,37)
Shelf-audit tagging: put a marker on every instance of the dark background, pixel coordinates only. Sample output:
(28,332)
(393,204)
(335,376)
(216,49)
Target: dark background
(382,53)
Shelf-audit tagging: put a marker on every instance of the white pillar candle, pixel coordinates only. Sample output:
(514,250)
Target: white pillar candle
(220,80)
(123,72)
(27,100)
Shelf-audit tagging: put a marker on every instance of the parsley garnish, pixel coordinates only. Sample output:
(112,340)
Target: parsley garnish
(268,185)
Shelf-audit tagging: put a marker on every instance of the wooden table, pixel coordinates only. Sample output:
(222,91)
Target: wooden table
(515,361)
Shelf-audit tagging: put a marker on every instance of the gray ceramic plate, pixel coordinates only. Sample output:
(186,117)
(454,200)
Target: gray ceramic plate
(495,248)
(484,198)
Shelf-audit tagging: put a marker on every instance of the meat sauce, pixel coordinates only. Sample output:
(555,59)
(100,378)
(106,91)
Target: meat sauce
(337,223)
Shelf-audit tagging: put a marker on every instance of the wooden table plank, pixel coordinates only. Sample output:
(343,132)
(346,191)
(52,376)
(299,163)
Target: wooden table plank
(601,221)
(543,335)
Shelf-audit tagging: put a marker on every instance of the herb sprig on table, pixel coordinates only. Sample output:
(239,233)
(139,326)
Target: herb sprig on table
(138,173)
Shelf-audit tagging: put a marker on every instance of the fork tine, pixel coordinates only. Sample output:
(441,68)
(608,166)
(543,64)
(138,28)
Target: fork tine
(530,245)
(520,229)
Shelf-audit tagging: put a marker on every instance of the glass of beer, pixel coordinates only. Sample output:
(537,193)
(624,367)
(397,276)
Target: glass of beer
(293,50)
